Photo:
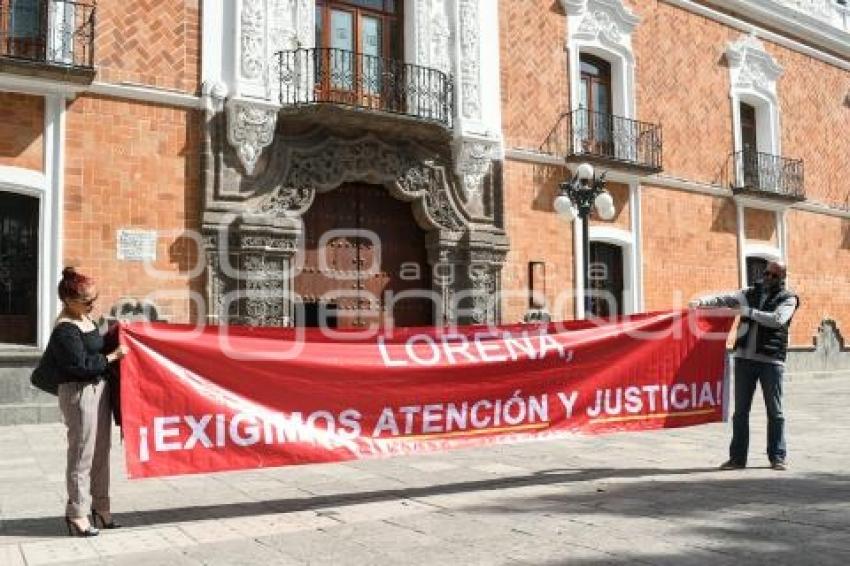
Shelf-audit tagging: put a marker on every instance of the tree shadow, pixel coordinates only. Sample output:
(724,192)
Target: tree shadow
(790,520)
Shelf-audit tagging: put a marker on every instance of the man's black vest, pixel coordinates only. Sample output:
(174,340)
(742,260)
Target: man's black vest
(771,342)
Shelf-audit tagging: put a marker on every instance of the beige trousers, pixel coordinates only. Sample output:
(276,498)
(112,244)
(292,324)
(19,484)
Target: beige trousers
(86,412)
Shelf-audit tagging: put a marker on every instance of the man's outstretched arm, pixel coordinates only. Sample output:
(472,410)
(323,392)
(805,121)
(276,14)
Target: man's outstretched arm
(775,319)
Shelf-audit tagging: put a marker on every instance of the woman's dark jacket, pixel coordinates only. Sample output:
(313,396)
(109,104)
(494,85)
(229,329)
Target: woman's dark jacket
(73,355)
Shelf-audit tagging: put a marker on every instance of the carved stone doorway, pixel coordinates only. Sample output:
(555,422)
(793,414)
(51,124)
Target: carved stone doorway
(364,258)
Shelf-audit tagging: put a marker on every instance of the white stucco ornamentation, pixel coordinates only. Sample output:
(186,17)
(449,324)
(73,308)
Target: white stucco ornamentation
(599,22)
(608,21)
(472,163)
(252,41)
(828,11)
(470,60)
(433,35)
(250,128)
(213,94)
(288,31)
(751,67)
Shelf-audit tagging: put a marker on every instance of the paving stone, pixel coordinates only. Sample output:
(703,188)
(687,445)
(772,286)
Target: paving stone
(10,555)
(58,551)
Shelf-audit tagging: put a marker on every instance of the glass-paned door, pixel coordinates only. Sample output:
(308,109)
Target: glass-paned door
(749,146)
(355,39)
(341,53)
(605,280)
(24,26)
(594,116)
(18,268)
(371,48)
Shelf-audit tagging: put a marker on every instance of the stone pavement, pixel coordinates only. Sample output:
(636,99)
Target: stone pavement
(644,498)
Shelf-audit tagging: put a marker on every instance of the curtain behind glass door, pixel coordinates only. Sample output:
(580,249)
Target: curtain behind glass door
(342,50)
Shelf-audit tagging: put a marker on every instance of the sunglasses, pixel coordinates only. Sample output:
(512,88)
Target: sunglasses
(771,275)
(87,302)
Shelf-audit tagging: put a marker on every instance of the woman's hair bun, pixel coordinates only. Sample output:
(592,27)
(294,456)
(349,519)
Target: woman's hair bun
(73,284)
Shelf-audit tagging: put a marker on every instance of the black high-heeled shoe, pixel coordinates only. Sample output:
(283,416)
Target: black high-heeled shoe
(75,531)
(113,524)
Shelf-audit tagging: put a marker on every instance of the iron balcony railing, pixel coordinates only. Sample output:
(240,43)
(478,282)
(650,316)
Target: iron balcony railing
(327,75)
(584,134)
(57,32)
(770,175)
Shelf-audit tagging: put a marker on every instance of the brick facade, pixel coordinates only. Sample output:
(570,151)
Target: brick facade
(22,119)
(689,243)
(818,260)
(536,235)
(133,166)
(149,42)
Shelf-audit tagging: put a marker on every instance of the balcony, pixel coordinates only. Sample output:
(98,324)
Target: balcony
(765,175)
(51,39)
(610,141)
(364,87)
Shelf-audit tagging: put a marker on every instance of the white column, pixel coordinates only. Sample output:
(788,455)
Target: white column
(637,245)
(782,233)
(742,258)
(51,215)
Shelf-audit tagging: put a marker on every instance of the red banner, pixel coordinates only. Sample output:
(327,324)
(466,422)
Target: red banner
(226,398)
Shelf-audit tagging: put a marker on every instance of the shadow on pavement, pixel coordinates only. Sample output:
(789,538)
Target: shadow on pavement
(723,519)
(51,526)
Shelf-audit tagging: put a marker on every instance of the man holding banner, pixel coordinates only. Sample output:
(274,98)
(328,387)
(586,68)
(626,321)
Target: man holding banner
(766,311)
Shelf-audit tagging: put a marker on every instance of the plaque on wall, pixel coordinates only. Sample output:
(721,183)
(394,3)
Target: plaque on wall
(136,245)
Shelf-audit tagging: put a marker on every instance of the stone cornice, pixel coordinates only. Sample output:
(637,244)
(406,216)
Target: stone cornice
(783,16)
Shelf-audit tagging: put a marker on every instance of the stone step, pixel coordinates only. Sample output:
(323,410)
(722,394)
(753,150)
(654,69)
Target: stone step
(20,402)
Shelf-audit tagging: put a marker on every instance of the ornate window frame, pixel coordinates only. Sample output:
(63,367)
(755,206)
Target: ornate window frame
(753,75)
(602,28)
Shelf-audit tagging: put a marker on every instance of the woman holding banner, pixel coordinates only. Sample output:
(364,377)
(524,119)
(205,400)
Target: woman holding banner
(73,356)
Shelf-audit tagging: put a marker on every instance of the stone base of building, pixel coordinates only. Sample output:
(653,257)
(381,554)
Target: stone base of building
(20,402)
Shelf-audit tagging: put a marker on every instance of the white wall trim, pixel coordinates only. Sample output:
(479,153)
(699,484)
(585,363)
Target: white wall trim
(626,241)
(742,244)
(20,180)
(821,208)
(782,234)
(670,182)
(771,253)
(774,37)
(39,87)
(145,93)
(52,214)
(636,225)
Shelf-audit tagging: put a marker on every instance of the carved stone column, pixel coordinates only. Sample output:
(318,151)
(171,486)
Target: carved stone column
(266,279)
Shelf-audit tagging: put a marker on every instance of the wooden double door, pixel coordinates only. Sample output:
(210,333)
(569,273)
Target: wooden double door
(365,262)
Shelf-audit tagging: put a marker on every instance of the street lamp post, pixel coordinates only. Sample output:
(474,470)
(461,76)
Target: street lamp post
(576,198)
